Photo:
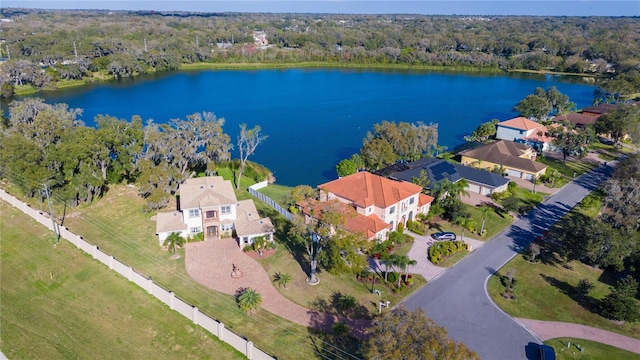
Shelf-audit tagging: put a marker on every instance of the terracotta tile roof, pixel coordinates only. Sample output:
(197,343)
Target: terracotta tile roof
(248,221)
(507,154)
(205,192)
(170,222)
(365,189)
(520,123)
(425,199)
(368,226)
(578,118)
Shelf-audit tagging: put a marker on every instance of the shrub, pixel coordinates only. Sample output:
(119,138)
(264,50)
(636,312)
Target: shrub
(392,277)
(416,227)
(400,228)
(443,249)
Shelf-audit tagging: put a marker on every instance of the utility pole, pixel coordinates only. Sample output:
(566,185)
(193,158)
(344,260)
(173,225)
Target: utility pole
(53,222)
(75,50)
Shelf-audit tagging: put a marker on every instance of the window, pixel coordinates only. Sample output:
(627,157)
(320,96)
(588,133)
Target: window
(225,209)
(392,210)
(412,200)
(369,209)
(195,230)
(404,206)
(194,213)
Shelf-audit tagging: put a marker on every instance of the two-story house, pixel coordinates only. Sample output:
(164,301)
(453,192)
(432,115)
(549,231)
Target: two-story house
(380,203)
(209,205)
(523,130)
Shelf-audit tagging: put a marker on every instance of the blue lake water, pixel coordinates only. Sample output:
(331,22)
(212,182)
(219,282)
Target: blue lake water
(315,118)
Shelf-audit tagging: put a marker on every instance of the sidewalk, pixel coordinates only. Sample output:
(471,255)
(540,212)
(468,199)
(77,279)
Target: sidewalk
(546,330)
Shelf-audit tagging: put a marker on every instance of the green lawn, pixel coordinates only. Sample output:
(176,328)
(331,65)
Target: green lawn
(495,222)
(320,296)
(119,227)
(277,193)
(59,303)
(547,291)
(570,169)
(592,350)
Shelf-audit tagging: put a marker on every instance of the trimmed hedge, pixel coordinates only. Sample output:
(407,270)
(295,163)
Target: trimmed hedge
(442,249)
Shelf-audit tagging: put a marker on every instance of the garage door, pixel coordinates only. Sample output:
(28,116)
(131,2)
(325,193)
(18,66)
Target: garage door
(473,188)
(515,173)
(528,176)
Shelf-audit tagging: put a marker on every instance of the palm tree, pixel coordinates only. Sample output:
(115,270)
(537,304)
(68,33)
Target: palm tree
(485,210)
(390,260)
(249,300)
(403,263)
(340,331)
(462,222)
(458,188)
(173,241)
(259,244)
(282,279)
(346,302)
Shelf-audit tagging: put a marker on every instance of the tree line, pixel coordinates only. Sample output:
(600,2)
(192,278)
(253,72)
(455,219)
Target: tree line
(43,144)
(46,46)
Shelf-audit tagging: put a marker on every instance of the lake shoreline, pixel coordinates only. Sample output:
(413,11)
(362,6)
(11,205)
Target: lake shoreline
(316,117)
(100,77)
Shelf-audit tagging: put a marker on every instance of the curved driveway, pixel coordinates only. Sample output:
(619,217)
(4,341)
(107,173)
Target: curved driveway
(458,299)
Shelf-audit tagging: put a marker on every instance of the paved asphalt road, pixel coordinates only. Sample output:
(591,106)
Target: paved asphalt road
(458,299)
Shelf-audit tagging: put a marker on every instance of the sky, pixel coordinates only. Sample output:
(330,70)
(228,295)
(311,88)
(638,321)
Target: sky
(428,7)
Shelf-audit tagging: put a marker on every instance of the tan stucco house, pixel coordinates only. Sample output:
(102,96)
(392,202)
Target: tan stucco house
(378,204)
(209,205)
(515,159)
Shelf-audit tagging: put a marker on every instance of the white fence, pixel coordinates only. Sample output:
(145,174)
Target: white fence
(189,311)
(253,191)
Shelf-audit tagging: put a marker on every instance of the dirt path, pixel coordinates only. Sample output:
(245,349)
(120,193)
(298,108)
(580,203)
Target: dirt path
(546,330)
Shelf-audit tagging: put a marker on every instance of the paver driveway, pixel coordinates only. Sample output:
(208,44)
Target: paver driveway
(211,263)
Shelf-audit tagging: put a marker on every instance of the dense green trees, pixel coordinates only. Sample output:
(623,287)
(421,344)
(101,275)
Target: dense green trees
(401,334)
(622,121)
(484,131)
(75,46)
(42,143)
(544,103)
(570,139)
(612,239)
(390,142)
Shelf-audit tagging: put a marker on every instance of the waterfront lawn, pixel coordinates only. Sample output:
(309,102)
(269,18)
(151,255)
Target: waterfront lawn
(322,296)
(592,350)
(57,302)
(117,224)
(278,193)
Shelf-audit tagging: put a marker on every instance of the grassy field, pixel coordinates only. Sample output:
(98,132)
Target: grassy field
(59,303)
(592,350)
(119,227)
